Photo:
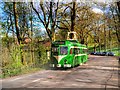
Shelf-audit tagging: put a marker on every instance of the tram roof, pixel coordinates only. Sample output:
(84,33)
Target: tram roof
(69,42)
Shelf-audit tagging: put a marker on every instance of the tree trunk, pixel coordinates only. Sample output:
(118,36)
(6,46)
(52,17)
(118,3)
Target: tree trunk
(31,36)
(99,44)
(73,15)
(51,22)
(104,37)
(118,31)
(118,5)
(17,30)
(16,22)
(94,47)
(82,41)
(110,40)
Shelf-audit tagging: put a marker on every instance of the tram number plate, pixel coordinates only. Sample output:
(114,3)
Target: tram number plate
(67,65)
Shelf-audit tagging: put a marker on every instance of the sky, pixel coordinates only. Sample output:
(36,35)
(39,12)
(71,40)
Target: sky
(94,9)
(107,1)
(97,10)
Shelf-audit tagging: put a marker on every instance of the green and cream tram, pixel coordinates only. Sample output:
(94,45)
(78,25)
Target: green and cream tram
(68,53)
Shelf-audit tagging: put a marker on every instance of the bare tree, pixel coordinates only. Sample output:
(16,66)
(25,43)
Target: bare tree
(47,16)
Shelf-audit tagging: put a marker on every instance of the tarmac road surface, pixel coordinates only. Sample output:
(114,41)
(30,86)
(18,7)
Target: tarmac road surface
(98,72)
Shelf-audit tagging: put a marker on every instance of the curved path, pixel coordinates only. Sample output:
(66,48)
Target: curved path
(98,72)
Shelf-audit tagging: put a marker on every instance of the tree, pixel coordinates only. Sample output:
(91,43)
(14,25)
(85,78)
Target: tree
(16,22)
(47,16)
(84,23)
(118,13)
(73,15)
(116,8)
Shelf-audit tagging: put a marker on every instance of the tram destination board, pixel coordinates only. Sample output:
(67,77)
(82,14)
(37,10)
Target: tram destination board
(59,42)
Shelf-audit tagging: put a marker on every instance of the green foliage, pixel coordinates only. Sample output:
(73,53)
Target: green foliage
(13,61)
(6,41)
(62,35)
(13,65)
(41,58)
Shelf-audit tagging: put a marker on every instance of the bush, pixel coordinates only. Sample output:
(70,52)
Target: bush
(34,58)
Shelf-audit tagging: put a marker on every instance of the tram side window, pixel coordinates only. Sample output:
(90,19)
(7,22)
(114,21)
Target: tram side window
(71,51)
(55,50)
(76,51)
(85,50)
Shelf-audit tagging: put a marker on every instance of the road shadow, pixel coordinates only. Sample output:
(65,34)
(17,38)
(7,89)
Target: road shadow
(47,67)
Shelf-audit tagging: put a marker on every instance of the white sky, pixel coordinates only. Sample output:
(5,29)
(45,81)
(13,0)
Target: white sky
(107,1)
(97,10)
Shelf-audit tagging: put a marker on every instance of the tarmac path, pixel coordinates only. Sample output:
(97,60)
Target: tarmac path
(98,72)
